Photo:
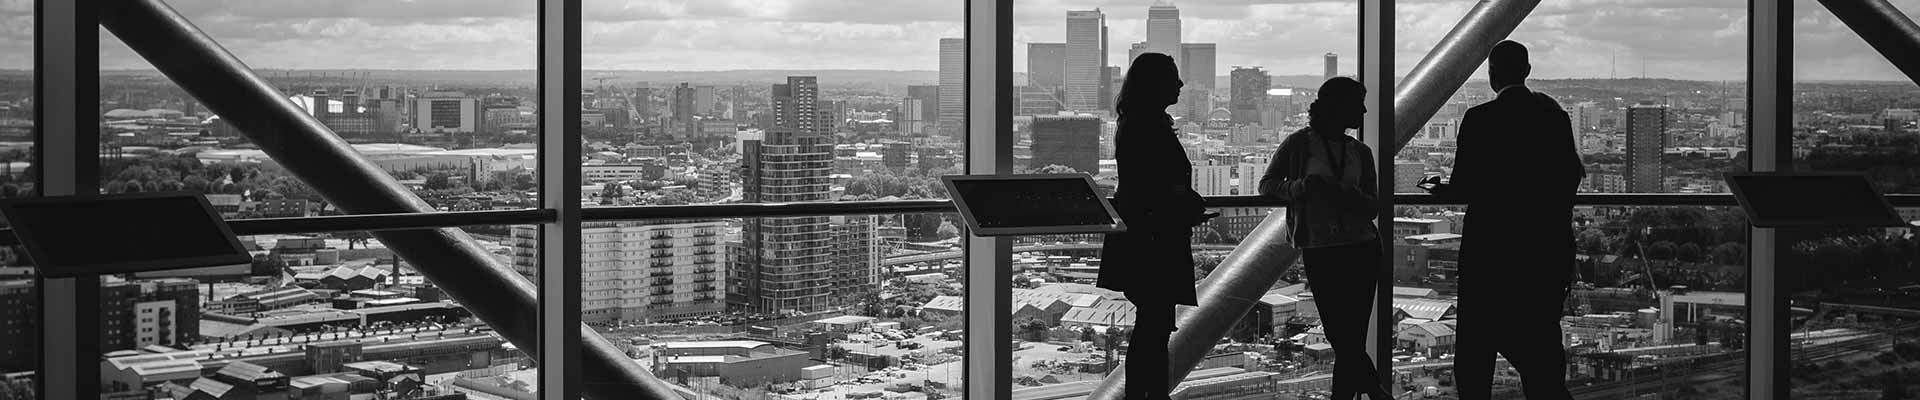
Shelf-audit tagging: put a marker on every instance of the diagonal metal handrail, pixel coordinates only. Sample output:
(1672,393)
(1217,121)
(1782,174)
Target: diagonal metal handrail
(1885,28)
(1254,266)
(312,152)
(1450,63)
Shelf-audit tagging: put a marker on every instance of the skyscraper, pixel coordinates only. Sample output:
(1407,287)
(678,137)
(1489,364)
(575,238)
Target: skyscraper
(1332,67)
(1248,93)
(1163,31)
(1046,64)
(684,100)
(1134,51)
(929,95)
(786,263)
(1197,72)
(1086,61)
(1071,141)
(953,79)
(1646,140)
(703,100)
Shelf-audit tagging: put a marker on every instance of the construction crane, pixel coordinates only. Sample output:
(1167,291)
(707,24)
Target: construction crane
(602,82)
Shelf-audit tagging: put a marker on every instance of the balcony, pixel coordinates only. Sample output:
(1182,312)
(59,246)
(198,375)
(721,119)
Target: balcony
(704,288)
(661,254)
(658,301)
(658,274)
(704,270)
(661,236)
(703,252)
(660,291)
(705,243)
(703,297)
(662,246)
(660,264)
(706,234)
(662,282)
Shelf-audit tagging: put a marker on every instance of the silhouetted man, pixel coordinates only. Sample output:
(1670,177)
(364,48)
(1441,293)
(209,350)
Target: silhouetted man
(1516,170)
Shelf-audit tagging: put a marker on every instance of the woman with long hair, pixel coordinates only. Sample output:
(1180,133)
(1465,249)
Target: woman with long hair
(1329,183)
(1152,262)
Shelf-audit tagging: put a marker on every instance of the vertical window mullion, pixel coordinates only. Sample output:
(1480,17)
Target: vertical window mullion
(66,47)
(989,151)
(1769,69)
(559,276)
(1376,73)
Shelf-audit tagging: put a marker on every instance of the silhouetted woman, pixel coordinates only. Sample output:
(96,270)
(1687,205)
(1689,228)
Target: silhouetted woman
(1328,181)
(1153,261)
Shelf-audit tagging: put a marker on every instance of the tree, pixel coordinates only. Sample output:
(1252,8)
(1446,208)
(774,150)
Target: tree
(947,230)
(1839,262)
(1662,250)
(1690,253)
(438,182)
(1593,241)
(1055,169)
(1730,253)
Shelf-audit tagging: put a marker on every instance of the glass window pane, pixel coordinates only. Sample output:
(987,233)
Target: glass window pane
(1070,329)
(315,315)
(1656,92)
(1243,91)
(1849,288)
(437,94)
(19,332)
(1852,110)
(1657,307)
(826,306)
(806,101)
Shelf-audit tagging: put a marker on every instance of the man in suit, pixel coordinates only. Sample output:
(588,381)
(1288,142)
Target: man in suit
(1517,171)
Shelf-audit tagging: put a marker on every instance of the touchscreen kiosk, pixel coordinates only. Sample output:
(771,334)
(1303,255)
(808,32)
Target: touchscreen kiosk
(1007,205)
(150,234)
(1816,199)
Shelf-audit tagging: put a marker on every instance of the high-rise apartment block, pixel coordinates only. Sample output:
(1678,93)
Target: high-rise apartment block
(641,271)
(1646,141)
(787,263)
(1213,179)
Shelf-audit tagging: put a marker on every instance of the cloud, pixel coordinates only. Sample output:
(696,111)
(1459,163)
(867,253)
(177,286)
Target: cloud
(1690,39)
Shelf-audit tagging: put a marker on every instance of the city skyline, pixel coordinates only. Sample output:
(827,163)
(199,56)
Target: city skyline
(1286,38)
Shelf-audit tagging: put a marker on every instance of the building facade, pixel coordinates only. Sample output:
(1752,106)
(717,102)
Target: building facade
(1646,142)
(1086,60)
(1071,141)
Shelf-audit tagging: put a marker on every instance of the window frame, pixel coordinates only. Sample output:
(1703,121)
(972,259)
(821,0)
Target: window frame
(66,50)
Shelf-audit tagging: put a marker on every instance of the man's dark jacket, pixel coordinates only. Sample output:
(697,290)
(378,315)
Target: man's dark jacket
(1517,170)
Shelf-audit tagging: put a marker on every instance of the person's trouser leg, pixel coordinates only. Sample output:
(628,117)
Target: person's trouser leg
(1534,347)
(1474,336)
(1343,280)
(1147,350)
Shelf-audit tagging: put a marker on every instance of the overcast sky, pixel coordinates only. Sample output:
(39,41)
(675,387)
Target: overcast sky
(1687,39)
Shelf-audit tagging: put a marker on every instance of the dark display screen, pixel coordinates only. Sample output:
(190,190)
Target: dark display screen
(155,231)
(1801,200)
(1034,202)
